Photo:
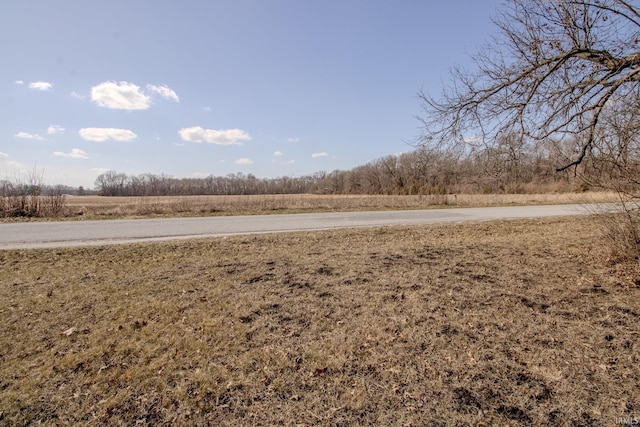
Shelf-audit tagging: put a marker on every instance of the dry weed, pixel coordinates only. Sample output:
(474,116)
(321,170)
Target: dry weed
(510,323)
(95,207)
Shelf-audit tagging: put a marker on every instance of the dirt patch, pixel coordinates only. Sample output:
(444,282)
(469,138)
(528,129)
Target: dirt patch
(518,323)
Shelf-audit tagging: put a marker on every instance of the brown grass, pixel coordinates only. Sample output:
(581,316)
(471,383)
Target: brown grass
(96,207)
(508,323)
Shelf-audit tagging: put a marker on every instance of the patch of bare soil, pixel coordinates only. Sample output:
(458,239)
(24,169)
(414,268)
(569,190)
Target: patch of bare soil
(510,323)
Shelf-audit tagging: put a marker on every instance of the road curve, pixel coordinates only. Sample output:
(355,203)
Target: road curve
(102,232)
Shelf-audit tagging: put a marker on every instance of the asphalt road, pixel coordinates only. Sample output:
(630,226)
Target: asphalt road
(86,233)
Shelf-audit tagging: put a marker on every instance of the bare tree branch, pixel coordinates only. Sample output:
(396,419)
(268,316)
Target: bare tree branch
(551,71)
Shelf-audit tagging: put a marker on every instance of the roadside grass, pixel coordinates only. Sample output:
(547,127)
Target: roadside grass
(500,323)
(96,207)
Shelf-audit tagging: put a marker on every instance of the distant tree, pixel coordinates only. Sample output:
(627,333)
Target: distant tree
(112,183)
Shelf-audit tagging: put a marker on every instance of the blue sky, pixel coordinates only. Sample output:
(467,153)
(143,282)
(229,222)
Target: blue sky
(192,88)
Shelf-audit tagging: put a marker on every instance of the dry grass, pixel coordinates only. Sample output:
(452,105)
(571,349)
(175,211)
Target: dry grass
(95,207)
(509,323)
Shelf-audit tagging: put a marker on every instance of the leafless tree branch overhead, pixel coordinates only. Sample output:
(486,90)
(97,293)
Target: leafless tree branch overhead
(551,71)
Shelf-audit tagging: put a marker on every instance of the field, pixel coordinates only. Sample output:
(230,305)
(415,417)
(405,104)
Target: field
(505,323)
(96,207)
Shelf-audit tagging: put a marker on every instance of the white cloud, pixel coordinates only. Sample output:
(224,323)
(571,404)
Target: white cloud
(19,82)
(200,175)
(75,153)
(99,170)
(318,155)
(76,95)
(54,129)
(473,140)
(26,135)
(294,139)
(290,162)
(277,153)
(220,137)
(164,91)
(103,134)
(40,85)
(3,155)
(244,161)
(120,96)
(207,109)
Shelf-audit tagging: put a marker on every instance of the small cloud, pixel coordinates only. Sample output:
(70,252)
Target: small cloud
(26,135)
(75,153)
(244,161)
(103,134)
(54,129)
(294,139)
(76,95)
(290,162)
(164,91)
(99,170)
(277,153)
(319,155)
(473,140)
(19,82)
(207,109)
(120,96)
(4,155)
(40,85)
(212,136)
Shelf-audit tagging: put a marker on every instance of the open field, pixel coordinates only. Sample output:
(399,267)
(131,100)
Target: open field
(503,323)
(95,207)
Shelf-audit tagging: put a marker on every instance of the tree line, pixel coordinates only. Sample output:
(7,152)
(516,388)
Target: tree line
(512,166)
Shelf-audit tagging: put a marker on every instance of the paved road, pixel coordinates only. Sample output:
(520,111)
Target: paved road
(85,233)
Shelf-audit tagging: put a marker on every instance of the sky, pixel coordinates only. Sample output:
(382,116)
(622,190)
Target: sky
(193,88)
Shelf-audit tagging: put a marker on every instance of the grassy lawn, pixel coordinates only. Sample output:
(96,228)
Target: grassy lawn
(505,323)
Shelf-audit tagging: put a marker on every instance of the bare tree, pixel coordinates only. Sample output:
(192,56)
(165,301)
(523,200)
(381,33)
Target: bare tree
(551,72)
(559,72)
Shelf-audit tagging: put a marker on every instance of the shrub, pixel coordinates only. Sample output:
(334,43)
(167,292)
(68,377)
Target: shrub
(23,197)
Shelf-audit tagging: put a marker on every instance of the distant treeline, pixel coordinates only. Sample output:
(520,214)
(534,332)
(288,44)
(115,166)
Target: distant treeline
(513,167)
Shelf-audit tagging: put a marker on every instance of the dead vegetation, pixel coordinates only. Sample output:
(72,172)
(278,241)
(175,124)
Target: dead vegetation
(97,207)
(510,323)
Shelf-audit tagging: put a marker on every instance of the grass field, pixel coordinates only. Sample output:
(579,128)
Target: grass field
(96,207)
(506,323)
